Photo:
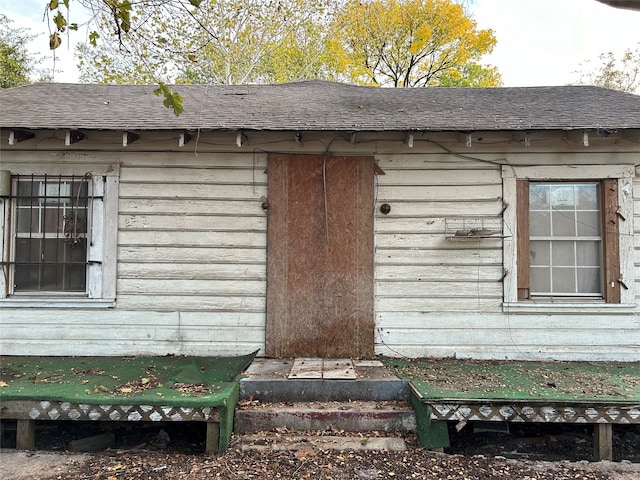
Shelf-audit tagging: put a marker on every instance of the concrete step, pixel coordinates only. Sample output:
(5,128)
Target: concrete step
(305,446)
(358,416)
(270,380)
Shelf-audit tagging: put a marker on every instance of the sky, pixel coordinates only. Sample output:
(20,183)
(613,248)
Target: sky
(540,42)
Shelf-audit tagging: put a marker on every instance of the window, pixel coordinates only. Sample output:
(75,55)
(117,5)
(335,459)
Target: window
(568,237)
(59,240)
(51,233)
(569,233)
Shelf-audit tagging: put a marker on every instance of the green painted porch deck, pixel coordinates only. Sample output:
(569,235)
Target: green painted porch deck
(598,393)
(206,389)
(168,388)
(531,381)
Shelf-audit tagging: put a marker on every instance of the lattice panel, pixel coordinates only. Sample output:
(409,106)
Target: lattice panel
(45,410)
(535,413)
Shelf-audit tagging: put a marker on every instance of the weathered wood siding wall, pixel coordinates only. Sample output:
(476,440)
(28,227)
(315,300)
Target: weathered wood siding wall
(435,294)
(191,275)
(192,245)
(441,296)
(191,270)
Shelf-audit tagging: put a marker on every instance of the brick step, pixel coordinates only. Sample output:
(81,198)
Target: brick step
(358,416)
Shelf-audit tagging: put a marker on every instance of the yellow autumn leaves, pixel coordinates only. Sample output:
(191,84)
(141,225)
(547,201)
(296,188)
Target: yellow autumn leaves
(411,43)
(402,43)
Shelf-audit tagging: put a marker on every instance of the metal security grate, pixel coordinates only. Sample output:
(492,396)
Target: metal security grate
(50,233)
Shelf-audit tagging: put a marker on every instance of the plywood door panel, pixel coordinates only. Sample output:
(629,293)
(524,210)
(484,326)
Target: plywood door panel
(320,256)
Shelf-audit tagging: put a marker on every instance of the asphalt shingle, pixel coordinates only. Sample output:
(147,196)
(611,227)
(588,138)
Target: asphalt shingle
(317,105)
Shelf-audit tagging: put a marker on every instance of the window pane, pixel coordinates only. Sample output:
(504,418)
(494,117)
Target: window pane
(27,278)
(51,278)
(563,254)
(28,191)
(588,254)
(52,219)
(540,223)
(564,280)
(589,280)
(538,196)
(562,197)
(75,252)
(588,196)
(589,224)
(540,252)
(540,279)
(28,250)
(563,224)
(28,220)
(76,278)
(59,250)
(53,250)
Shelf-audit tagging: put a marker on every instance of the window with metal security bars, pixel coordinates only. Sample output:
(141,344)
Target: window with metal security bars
(52,216)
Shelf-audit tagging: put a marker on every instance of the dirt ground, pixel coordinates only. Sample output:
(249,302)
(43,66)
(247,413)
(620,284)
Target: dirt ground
(177,454)
(306,463)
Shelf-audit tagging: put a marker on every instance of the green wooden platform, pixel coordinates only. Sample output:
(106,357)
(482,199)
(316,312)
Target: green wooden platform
(168,388)
(598,393)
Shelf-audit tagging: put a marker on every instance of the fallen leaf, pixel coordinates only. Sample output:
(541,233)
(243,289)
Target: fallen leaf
(369,474)
(304,453)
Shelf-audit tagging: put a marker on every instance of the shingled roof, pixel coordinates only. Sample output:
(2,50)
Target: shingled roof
(317,105)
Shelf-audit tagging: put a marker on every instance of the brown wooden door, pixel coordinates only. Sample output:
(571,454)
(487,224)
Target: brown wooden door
(320,256)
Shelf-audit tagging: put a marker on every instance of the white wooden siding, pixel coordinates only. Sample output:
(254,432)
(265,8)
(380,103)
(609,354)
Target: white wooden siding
(192,240)
(191,251)
(442,296)
(636,244)
(191,272)
(420,269)
(527,337)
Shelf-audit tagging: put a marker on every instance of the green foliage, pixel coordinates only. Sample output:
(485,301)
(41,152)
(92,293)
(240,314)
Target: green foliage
(172,100)
(221,42)
(93,38)
(617,73)
(16,64)
(60,22)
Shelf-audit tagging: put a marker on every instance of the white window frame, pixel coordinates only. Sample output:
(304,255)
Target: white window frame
(101,272)
(624,174)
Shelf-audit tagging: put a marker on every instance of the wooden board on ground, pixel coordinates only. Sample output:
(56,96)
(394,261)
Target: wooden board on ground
(329,369)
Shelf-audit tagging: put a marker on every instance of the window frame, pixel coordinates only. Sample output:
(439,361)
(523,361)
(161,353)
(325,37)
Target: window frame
(101,255)
(617,211)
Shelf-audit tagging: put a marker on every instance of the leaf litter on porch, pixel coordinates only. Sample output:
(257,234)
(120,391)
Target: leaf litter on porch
(522,379)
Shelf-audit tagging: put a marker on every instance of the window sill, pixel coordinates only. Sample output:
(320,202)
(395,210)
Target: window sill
(32,302)
(567,307)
